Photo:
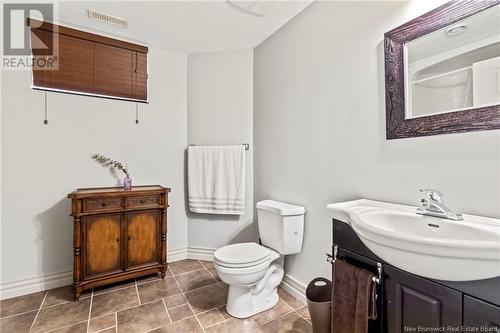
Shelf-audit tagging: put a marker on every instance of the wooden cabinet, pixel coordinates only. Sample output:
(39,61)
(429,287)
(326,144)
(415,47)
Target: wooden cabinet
(118,234)
(412,302)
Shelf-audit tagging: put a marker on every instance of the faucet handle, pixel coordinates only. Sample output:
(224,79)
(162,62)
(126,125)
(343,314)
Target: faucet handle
(433,194)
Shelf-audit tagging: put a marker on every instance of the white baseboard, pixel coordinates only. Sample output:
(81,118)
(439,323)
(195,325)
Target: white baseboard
(195,253)
(177,254)
(201,253)
(294,287)
(35,284)
(55,280)
(50,281)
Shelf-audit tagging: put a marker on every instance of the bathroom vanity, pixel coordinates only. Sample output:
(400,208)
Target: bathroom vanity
(407,301)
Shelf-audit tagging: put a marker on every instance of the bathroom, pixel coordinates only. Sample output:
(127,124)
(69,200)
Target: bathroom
(303,85)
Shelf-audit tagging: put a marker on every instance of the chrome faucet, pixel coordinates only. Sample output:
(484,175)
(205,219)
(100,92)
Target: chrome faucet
(433,205)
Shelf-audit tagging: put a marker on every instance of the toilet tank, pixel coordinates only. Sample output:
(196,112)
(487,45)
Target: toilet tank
(281,226)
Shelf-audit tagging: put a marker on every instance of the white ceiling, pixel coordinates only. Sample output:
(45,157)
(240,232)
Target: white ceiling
(185,26)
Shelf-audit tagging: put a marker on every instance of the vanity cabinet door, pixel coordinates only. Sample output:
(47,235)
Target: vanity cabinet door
(143,238)
(102,239)
(481,315)
(413,302)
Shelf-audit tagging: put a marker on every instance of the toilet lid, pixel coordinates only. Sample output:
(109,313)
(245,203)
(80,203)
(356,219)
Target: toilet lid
(242,253)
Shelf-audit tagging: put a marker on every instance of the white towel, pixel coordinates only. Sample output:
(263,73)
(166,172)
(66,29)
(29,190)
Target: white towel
(216,179)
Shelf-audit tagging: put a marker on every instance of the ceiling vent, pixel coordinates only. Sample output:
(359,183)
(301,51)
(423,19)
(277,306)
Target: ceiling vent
(95,15)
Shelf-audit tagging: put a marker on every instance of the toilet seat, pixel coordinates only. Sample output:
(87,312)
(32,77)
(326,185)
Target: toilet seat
(244,258)
(244,270)
(241,254)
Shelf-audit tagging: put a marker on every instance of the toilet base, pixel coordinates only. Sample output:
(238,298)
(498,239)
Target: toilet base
(246,301)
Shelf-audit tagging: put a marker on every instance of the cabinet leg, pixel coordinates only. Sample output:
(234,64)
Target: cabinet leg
(77,291)
(163,273)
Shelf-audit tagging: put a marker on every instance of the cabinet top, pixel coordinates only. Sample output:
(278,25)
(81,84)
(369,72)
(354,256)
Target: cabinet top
(117,191)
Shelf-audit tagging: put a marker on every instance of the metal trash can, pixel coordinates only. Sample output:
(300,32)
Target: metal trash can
(319,303)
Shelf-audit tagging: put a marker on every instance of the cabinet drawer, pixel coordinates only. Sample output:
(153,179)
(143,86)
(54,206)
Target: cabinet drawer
(101,204)
(143,201)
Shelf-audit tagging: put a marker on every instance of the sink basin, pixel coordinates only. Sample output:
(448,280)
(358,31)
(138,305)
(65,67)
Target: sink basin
(427,246)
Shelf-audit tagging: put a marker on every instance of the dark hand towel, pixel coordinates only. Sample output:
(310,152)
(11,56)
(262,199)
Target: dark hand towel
(353,299)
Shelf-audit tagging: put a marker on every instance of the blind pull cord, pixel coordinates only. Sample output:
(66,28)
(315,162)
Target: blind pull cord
(136,113)
(45,121)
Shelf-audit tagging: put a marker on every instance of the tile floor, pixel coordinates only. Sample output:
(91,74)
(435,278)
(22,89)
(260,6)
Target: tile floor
(191,298)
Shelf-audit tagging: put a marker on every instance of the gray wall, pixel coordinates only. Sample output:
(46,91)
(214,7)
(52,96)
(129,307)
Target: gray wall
(319,127)
(220,106)
(42,164)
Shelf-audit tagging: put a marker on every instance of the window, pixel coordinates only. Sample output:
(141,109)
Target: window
(89,64)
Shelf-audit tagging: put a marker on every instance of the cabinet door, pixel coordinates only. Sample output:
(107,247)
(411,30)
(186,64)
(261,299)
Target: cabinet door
(143,238)
(414,302)
(102,244)
(481,315)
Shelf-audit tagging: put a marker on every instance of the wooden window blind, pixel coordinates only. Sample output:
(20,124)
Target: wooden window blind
(89,64)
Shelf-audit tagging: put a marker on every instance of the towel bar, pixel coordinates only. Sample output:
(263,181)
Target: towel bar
(378,278)
(246,145)
(331,259)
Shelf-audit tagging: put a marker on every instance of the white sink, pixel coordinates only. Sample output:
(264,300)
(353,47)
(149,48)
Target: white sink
(427,246)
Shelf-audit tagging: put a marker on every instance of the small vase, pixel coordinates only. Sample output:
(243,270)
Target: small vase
(127,183)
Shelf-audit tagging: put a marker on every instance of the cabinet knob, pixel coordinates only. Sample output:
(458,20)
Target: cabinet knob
(103,204)
(142,201)
(129,237)
(117,240)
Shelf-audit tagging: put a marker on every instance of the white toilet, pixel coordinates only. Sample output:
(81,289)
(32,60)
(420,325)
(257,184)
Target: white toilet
(254,272)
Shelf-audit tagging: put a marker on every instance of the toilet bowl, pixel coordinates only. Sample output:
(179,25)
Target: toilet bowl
(254,272)
(252,275)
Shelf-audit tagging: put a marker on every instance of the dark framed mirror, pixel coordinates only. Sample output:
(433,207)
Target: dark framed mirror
(442,71)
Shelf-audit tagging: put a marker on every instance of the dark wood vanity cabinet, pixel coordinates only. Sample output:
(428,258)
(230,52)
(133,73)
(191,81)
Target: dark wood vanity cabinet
(412,302)
(407,302)
(479,314)
(118,234)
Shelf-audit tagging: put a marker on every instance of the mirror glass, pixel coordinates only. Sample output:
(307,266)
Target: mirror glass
(455,68)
